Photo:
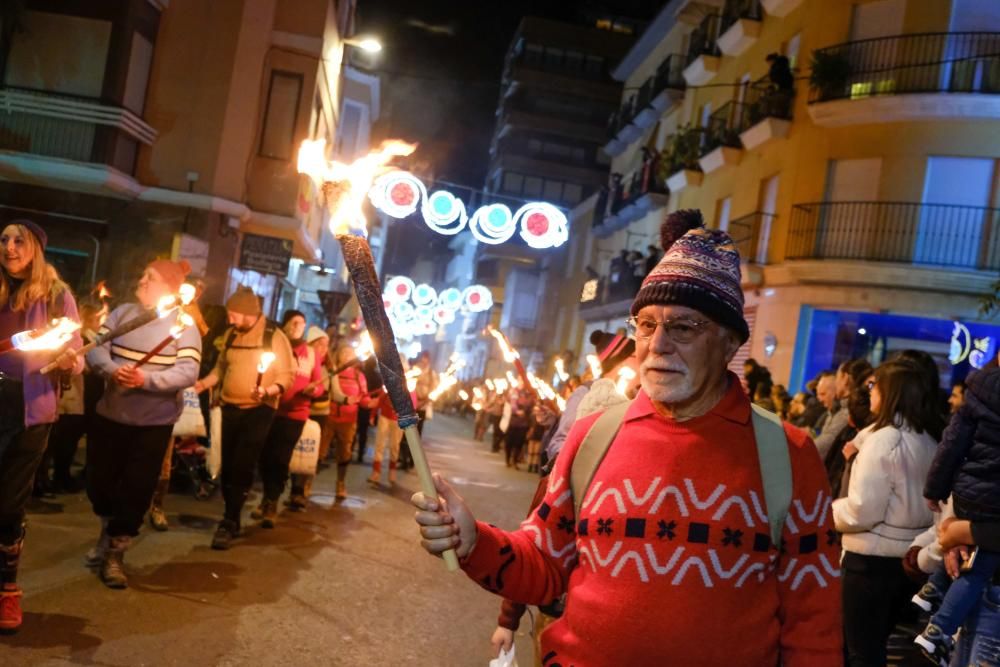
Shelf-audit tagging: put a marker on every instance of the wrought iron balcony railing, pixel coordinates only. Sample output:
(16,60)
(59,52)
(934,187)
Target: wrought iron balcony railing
(735,10)
(945,62)
(945,235)
(704,39)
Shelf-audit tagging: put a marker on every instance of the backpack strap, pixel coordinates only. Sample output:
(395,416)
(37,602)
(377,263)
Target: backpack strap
(775,468)
(269,329)
(592,450)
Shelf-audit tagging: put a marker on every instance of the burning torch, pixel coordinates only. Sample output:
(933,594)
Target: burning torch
(347,186)
(266,359)
(51,337)
(183,322)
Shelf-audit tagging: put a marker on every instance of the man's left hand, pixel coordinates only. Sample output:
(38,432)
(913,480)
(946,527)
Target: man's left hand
(130,377)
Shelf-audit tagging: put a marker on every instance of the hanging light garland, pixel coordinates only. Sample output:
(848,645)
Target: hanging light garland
(399,194)
(420,310)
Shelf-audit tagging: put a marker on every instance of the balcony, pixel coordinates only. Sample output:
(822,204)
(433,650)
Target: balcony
(611,295)
(740,26)
(721,144)
(71,128)
(703,60)
(768,114)
(931,76)
(643,109)
(631,199)
(750,234)
(933,235)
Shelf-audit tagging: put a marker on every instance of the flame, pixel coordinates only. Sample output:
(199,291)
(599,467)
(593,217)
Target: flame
(52,337)
(464,395)
(266,359)
(489,384)
(561,369)
(446,383)
(166,305)
(102,291)
(478,393)
(509,353)
(183,322)
(477,406)
(411,378)
(187,293)
(625,377)
(351,181)
(365,347)
(546,391)
(501,385)
(595,365)
(512,379)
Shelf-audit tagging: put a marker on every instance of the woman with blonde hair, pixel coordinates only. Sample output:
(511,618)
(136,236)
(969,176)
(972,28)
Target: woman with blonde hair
(31,294)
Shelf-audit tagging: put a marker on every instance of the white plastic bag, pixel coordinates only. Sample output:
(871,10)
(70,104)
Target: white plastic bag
(192,422)
(305,456)
(506,659)
(215,442)
(505,419)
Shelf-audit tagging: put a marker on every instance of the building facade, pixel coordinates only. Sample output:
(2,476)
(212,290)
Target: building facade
(141,128)
(861,190)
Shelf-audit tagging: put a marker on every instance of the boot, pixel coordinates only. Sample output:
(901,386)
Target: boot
(269,513)
(225,533)
(341,493)
(10,594)
(95,556)
(258,513)
(392,472)
(157,517)
(376,476)
(113,565)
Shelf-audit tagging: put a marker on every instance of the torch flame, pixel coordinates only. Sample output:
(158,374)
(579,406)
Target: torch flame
(352,181)
(512,379)
(501,385)
(54,336)
(183,322)
(102,291)
(509,353)
(625,377)
(365,347)
(266,359)
(595,365)
(464,395)
(489,384)
(561,370)
(187,293)
(165,305)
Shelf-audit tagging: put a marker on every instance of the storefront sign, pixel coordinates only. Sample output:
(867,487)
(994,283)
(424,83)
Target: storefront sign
(265,254)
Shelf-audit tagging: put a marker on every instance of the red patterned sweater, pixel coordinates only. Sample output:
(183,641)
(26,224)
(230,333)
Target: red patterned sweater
(671,562)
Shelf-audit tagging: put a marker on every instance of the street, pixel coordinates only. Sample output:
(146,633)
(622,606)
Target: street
(338,584)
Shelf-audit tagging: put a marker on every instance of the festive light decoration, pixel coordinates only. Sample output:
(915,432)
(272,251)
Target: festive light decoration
(399,194)
(420,310)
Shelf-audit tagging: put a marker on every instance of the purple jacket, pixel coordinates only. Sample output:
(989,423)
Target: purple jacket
(41,399)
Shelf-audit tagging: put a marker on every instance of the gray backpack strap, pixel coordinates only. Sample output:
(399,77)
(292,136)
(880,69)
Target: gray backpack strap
(775,468)
(595,445)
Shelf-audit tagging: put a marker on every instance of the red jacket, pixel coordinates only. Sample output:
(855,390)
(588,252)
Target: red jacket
(671,561)
(350,382)
(294,403)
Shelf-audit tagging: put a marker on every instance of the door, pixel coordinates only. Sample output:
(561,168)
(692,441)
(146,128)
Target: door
(959,72)
(874,60)
(951,221)
(768,208)
(846,222)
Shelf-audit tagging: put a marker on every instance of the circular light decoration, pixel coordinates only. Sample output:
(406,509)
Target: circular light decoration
(399,288)
(403,311)
(477,298)
(542,225)
(423,313)
(450,298)
(493,224)
(442,211)
(424,327)
(424,295)
(444,316)
(397,193)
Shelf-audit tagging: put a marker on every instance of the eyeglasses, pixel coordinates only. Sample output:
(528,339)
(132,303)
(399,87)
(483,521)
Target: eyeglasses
(679,331)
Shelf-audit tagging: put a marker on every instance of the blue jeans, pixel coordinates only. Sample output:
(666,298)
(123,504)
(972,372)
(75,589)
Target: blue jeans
(979,643)
(962,594)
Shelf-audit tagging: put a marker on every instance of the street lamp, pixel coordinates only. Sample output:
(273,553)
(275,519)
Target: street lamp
(369,44)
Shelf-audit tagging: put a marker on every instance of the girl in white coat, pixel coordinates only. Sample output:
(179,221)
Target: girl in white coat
(884,511)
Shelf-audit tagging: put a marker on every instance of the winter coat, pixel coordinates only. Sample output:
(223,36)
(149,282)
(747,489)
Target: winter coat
(349,382)
(967,462)
(884,510)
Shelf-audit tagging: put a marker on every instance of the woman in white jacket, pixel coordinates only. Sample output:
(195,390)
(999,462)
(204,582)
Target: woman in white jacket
(884,511)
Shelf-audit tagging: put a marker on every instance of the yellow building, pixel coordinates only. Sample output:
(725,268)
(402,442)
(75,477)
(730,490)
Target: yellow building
(863,202)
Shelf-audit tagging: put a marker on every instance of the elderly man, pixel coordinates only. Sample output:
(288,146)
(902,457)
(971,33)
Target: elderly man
(835,420)
(666,556)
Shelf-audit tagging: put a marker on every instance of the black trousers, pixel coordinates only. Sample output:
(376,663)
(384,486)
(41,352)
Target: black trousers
(514,443)
(497,433)
(123,467)
(63,442)
(875,594)
(21,451)
(244,433)
(277,454)
(364,417)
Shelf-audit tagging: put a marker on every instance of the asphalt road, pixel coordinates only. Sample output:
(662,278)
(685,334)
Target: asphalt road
(339,584)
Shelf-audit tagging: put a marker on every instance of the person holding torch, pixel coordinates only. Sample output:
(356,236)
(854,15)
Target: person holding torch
(31,295)
(145,373)
(254,369)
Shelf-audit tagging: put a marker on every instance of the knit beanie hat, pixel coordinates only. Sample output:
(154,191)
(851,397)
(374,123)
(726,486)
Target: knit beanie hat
(700,269)
(35,229)
(244,302)
(612,349)
(173,273)
(315,333)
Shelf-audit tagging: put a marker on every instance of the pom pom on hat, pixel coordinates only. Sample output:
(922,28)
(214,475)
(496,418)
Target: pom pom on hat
(678,224)
(173,273)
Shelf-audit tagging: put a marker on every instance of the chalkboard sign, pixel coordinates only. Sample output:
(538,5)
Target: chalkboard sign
(265,254)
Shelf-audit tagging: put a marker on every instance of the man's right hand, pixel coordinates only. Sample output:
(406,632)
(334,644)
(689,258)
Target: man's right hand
(502,639)
(445,522)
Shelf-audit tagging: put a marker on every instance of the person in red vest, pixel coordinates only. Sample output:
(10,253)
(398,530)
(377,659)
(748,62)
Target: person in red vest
(349,390)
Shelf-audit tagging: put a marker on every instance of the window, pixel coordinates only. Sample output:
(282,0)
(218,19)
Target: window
(139,62)
(553,191)
(572,193)
(532,186)
(512,182)
(282,109)
(59,53)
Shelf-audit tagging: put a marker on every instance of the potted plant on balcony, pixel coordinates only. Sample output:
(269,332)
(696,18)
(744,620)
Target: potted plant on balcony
(679,165)
(829,74)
